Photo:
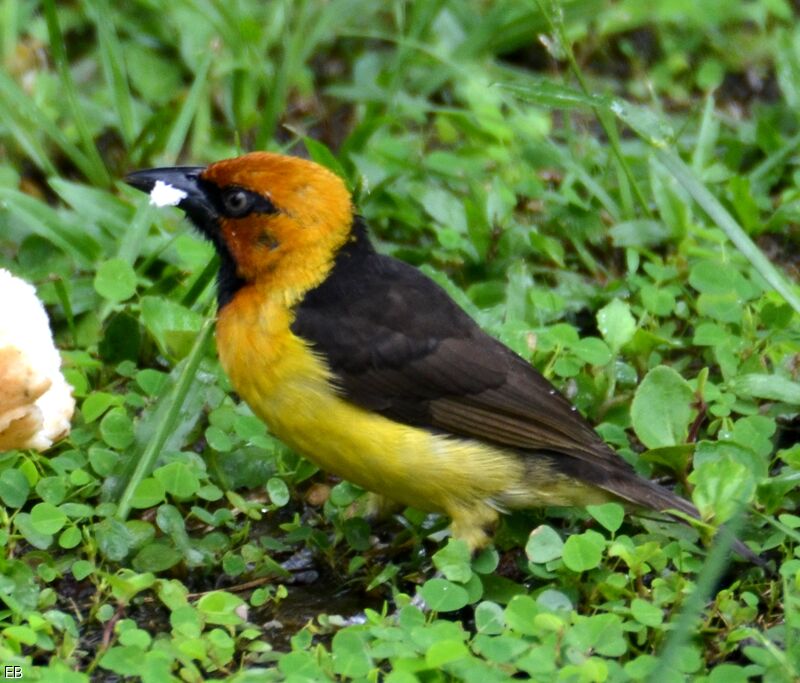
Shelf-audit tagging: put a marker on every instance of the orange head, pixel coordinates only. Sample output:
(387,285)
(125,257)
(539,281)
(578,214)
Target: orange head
(275,220)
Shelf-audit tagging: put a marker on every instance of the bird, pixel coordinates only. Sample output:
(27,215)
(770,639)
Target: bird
(368,368)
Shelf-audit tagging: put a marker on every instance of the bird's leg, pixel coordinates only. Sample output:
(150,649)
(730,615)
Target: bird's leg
(379,507)
(373,506)
(473,524)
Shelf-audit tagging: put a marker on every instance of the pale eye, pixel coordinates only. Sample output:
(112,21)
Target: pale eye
(237,202)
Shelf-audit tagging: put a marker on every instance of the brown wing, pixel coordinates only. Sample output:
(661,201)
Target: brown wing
(400,346)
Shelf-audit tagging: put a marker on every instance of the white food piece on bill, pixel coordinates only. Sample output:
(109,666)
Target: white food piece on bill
(163,194)
(36,403)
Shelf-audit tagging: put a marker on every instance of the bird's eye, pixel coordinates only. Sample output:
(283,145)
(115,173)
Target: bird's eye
(237,202)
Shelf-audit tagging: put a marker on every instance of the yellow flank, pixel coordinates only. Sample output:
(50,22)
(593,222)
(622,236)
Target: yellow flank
(290,387)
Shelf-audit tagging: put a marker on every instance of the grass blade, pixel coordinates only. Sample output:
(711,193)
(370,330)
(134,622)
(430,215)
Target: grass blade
(145,463)
(114,67)
(292,55)
(706,137)
(180,129)
(9,17)
(95,169)
(26,120)
(555,18)
(684,624)
(774,161)
(711,205)
(133,238)
(40,219)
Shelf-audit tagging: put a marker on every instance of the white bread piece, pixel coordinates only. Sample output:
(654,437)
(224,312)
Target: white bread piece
(36,403)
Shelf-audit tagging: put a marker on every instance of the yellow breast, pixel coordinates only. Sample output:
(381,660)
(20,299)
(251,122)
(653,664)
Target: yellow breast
(289,386)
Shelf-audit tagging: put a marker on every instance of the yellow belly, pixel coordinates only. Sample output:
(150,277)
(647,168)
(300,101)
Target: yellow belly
(290,387)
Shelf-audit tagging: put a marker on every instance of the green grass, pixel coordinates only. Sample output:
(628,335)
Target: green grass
(609,188)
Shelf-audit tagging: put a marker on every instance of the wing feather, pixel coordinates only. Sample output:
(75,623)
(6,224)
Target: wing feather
(399,345)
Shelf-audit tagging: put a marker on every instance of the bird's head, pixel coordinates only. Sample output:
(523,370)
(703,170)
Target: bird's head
(272,218)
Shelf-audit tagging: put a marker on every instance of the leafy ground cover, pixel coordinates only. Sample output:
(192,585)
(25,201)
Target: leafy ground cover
(611,188)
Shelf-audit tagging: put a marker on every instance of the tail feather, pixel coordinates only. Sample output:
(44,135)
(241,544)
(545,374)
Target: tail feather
(648,494)
(623,482)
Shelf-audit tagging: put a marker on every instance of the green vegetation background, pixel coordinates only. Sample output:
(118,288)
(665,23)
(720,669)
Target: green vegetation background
(609,187)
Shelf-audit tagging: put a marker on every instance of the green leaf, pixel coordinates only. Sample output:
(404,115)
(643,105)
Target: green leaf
(188,111)
(675,458)
(320,153)
(97,403)
(489,618)
(616,323)
(351,653)
(142,64)
(36,538)
(444,596)
(220,607)
(646,613)
(301,666)
(115,280)
(647,123)
(166,424)
(454,561)
(554,601)
(20,634)
(639,233)
(156,557)
(552,94)
(70,537)
(344,493)
(81,569)
(152,381)
(728,225)
(357,532)
(755,433)
(278,491)
(592,350)
(219,439)
(124,660)
(116,428)
(610,515)
(114,68)
(178,479)
(103,460)
(77,510)
(113,538)
(656,300)
(174,327)
(444,652)
(602,633)
(221,645)
(149,493)
(544,545)
(770,387)
(583,551)
(521,613)
(486,561)
(791,456)
(14,488)
(47,518)
(722,487)
(49,224)
(661,408)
